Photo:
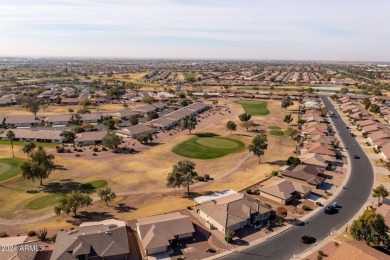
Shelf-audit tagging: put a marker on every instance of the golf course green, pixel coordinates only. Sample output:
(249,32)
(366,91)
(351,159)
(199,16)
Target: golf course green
(254,108)
(207,147)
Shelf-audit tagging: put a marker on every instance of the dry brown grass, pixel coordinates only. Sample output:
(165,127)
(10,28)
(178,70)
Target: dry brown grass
(148,170)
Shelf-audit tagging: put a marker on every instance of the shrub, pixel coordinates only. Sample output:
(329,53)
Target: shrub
(318,203)
(95,149)
(267,205)
(248,191)
(274,173)
(31,233)
(53,237)
(79,150)
(77,155)
(279,223)
(200,178)
(189,208)
(206,177)
(75,149)
(321,253)
(60,149)
(229,235)
(3,234)
(211,250)
(94,154)
(104,149)
(306,208)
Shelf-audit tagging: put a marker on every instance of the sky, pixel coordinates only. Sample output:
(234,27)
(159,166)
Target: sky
(345,30)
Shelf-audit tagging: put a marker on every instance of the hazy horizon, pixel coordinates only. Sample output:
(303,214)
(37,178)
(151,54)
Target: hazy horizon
(265,30)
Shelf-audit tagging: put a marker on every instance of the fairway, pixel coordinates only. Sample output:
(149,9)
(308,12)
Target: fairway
(254,108)
(207,147)
(276,132)
(9,167)
(45,201)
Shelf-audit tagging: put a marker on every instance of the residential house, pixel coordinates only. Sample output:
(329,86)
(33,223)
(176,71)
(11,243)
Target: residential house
(158,232)
(374,136)
(25,250)
(233,212)
(318,148)
(107,239)
(309,174)
(370,128)
(58,120)
(163,123)
(135,130)
(21,121)
(385,152)
(354,250)
(92,118)
(384,210)
(34,135)
(90,138)
(283,191)
(316,159)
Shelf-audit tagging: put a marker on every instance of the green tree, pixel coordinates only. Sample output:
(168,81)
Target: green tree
(72,202)
(183,174)
(111,140)
(188,122)
(145,138)
(344,90)
(293,133)
(152,115)
(366,102)
(110,124)
(380,192)
(134,120)
(106,194)
(28,148)
(370,228)
(288,119)
(287,102)
(85,103)
(231,126)
(75,119)
(11,137)
(375,109)
(69,136)
(33,106)
(259,145)
(301,121)
(245,118)
(40,167)
(293,161)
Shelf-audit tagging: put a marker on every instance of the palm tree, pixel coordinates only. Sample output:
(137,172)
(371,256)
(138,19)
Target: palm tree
(11,136)
(380,192)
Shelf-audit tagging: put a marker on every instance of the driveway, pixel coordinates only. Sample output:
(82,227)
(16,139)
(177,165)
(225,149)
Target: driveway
(351,199)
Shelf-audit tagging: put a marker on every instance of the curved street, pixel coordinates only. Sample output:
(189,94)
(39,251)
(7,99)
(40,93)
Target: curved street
(351,199)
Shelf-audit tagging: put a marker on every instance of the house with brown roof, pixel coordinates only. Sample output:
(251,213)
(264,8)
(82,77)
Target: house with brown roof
(233,212)
(385,152)
(135,130)
(22,248)
(355,250)
(158,232)
(283,191)
(107,239)
(56,120)
(35,135)
(384,210)
(21,121)
(316,159)
(365,123)
(90,138)
(318,148)
(308,174)
(370,128)
(372,137)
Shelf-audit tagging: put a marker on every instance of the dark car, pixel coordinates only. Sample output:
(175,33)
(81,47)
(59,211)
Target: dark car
(356,157)
(308,239)
(330,210)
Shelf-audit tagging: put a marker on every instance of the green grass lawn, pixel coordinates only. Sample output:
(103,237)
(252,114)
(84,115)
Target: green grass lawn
(45,201)
(276,132)
(273,127)
(23,143)
(93,185)
(207,147)
(254,108)
(9,167)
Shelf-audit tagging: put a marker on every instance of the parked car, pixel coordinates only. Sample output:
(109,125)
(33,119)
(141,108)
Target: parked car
(356,157)
(330,210)
(308,239)
(335,205)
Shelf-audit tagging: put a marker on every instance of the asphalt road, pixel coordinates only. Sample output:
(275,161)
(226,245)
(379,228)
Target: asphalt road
(351,199)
